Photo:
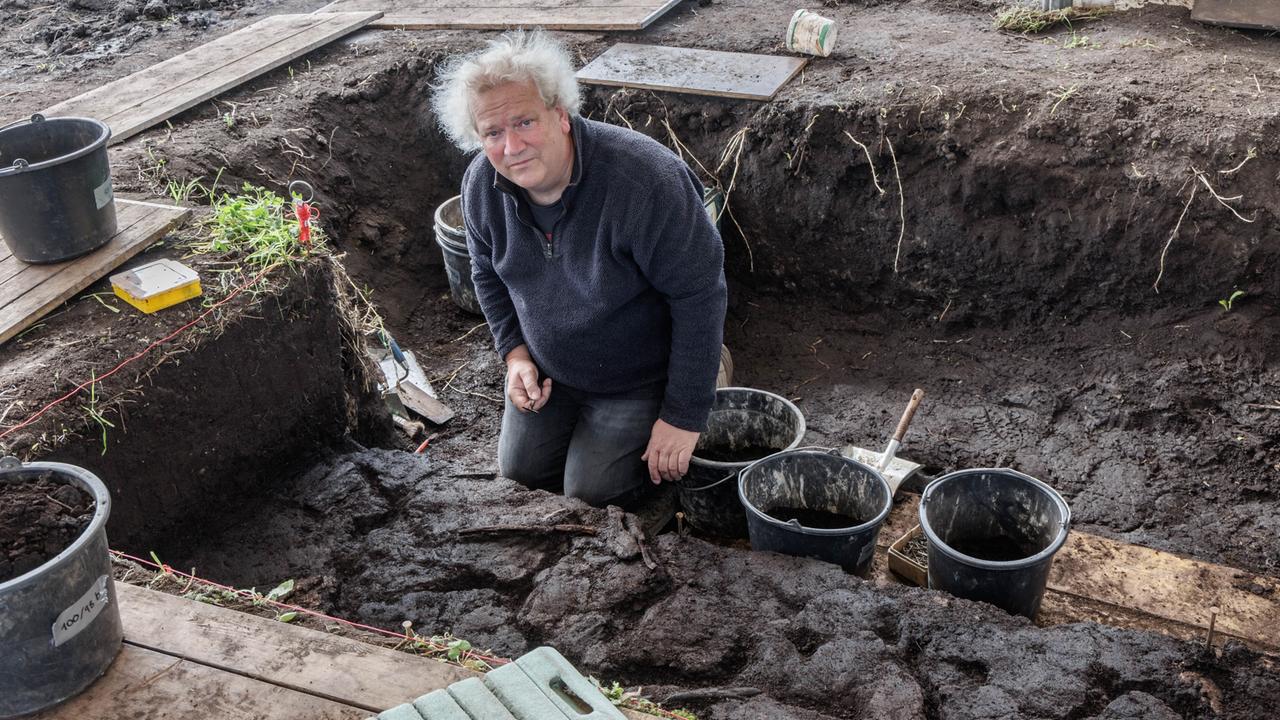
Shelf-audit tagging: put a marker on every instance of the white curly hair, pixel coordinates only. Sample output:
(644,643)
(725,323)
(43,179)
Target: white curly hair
(516,56)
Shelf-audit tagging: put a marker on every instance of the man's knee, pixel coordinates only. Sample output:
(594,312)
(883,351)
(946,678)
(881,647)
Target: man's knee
(600,486)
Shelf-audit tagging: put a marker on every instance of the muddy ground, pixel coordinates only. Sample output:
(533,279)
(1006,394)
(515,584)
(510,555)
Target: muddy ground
(1012,277)
(381,531)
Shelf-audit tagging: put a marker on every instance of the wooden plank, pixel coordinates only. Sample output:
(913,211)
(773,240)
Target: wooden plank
(502,14)
(1257,14)
(1170,586)
(1173,592)
(341,669)
(136,102)
(18,277)
(701,72)
(142,683)
(45,287)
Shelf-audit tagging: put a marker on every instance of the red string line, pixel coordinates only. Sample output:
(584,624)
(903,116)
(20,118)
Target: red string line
(36,416)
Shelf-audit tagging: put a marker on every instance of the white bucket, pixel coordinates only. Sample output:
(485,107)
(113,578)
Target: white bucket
(811,33)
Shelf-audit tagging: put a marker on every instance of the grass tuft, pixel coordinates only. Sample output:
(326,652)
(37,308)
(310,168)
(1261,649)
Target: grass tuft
(1024,20)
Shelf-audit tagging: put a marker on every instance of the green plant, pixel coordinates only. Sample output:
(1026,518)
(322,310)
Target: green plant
(622,697)
(1023,20)
(281,591)
(1229,302)
(95,414)
(1079,41)
(255,226)
(229,119)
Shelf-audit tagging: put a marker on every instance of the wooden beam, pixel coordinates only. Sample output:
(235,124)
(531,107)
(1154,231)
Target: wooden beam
(31,291)
(745,76)
(503,14)
(1095,578)
(136,102)
(342,670)
(143,683)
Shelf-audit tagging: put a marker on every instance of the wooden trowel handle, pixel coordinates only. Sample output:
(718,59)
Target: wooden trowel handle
(909,413)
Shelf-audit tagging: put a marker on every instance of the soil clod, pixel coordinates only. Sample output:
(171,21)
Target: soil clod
(38,519)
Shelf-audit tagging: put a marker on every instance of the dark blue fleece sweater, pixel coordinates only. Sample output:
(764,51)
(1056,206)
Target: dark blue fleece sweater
(629,290)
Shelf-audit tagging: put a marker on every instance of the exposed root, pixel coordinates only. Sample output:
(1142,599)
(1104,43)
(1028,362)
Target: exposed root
(902,206)
(734,148)
(1156,286)
(871,163)
(1223,201)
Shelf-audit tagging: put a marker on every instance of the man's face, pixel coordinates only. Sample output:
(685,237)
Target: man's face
(525,141)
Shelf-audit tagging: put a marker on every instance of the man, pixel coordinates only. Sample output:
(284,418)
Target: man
(598,269)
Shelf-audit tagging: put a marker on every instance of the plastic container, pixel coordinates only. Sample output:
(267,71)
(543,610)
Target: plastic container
(816,482)
(55,188)
(811,33)
(59,623)
(156,285)
(451,236)
(992,536)
(741,418)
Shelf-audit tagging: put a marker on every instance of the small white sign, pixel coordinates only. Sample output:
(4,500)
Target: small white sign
(78,616)
(102,193)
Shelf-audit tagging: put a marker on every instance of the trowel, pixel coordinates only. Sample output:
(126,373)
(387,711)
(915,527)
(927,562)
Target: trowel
(407,387)
(895,470)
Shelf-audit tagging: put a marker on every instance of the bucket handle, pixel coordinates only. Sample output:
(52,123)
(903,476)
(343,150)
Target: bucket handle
(735,473)
(20,164)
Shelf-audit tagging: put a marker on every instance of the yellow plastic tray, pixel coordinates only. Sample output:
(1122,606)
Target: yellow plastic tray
(156,286)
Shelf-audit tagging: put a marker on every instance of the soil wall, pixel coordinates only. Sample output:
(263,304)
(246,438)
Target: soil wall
(257,399)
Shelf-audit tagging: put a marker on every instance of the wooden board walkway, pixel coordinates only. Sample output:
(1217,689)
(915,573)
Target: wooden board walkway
(151,96)
(28,292)
(1255,14)
(185,659)
(503,14)
(1096,578)
(700,72)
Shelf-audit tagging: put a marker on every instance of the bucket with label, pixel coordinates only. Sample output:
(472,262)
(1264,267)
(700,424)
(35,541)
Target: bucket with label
(810,33)
(59,620)
(55,188)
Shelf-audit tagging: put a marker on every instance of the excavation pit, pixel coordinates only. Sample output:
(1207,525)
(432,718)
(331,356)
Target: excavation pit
(1011,275)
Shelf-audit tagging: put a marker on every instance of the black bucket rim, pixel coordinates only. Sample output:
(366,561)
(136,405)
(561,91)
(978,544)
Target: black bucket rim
(801,429)
(1049,551)
(821,532)
(438,218)
(104,135)
(84,480)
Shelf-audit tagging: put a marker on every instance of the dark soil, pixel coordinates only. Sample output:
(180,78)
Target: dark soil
(39,518)
(377,535)
(810,518)
(997,244)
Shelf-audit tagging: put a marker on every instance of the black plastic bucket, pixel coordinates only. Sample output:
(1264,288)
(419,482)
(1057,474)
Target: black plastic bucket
(451,236)
(992,536)
(55,188)
(60,622)
(742,420)
(845,500)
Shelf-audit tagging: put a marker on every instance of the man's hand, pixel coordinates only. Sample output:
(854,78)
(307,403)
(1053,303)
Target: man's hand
(522,381)
(669,451)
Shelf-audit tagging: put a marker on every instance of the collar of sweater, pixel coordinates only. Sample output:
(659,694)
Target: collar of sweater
(582,144)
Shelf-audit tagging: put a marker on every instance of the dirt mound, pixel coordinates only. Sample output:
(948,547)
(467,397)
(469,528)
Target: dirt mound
(816,642)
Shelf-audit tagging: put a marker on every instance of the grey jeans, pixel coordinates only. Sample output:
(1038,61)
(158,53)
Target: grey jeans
(589,444)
